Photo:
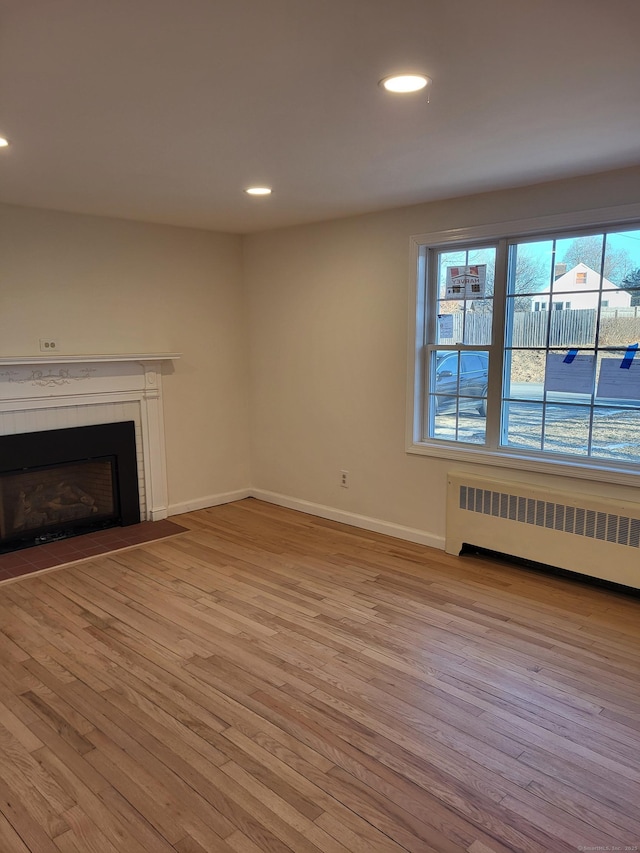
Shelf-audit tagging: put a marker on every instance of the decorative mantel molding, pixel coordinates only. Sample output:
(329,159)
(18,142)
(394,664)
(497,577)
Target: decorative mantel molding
(53,391)
(87,359)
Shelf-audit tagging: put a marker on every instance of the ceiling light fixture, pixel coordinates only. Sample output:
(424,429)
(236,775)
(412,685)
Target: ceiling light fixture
(4,143)
(404,83)
(258,191)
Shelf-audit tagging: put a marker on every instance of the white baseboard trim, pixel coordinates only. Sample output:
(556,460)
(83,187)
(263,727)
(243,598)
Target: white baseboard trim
(158,514)
(399,531)
(209,500)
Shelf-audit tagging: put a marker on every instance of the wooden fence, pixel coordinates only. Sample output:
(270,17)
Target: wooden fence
(566,328)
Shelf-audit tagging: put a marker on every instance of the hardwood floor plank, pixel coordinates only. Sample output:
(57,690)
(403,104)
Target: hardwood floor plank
(354,840)
(164,774)
(43,799)
(82,772)
(86,834)
(33,831)
(587,780)
(133,822)
(241,844)
(91,805)
(285,821)
(472,803)
(10,841)
(156,806)
(272,682)
(588,810)
(18,728)
(315,784)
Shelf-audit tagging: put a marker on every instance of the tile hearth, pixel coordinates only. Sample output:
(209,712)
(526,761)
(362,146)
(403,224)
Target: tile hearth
(48,556)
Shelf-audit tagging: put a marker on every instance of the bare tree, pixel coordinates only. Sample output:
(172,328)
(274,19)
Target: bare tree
(531,275)
(631,282)
(588,250)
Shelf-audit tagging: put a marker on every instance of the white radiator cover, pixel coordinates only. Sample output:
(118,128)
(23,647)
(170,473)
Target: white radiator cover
(582,533)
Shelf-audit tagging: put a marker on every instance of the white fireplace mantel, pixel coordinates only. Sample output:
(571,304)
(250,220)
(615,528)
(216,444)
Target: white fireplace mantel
(57,391)
(87,359)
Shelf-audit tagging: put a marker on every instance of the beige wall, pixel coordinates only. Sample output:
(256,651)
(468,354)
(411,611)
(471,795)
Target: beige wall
(294,342)
(110,286)
(328,319)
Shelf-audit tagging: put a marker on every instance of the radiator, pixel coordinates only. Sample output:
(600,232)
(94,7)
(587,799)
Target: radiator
(582,533)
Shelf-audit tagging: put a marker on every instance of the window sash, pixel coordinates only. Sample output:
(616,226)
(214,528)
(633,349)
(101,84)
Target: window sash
(497,451)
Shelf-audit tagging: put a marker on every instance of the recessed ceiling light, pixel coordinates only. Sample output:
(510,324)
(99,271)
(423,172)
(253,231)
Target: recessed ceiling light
(4,143)
(258,191)
(405,82)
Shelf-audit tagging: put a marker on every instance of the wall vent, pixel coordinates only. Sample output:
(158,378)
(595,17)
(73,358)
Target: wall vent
(581,533)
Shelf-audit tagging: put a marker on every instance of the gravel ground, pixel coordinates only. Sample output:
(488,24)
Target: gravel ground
(615,433)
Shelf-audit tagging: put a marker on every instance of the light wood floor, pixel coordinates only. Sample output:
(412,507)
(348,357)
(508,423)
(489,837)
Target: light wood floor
(270,681)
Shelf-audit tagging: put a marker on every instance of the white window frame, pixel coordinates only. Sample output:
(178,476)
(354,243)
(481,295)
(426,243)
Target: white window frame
(587,468)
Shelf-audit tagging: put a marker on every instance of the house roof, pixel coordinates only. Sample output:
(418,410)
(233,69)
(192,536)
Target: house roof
(164,110)
(571,280)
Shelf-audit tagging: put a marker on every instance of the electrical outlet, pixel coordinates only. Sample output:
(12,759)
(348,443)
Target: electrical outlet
(344,479)
(49,345)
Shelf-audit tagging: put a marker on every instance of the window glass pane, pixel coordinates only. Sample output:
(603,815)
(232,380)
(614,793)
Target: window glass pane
(573,327)
(524,374)
(579,279)
(457,402)
(527,324)
(485,255)
(469,323)
(444,421)
(448,259)
(531,270)
(479,322)
(619,326)
(522,425)
(450,325)
(578,254)
(472,361)
(445,368)
(616,433)
(622,258)
(465,374)
(622,386)
(474,374)
(566,429)
(472,427)
(465,423)
(468,320)
(577,387)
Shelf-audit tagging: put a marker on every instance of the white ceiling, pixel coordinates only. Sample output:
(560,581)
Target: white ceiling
(163,110)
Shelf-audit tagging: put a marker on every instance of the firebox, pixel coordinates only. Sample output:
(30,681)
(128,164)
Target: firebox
(60,483)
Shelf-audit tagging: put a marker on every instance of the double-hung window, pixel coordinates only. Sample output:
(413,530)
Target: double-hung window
(526,348)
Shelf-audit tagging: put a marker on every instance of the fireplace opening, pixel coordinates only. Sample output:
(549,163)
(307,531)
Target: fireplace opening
(61,483)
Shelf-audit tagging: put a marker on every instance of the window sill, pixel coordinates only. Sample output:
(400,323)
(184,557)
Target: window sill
(560,466)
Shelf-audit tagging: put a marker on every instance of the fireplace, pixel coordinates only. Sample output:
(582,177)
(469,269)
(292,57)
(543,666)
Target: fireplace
(64,482)
(40,393)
